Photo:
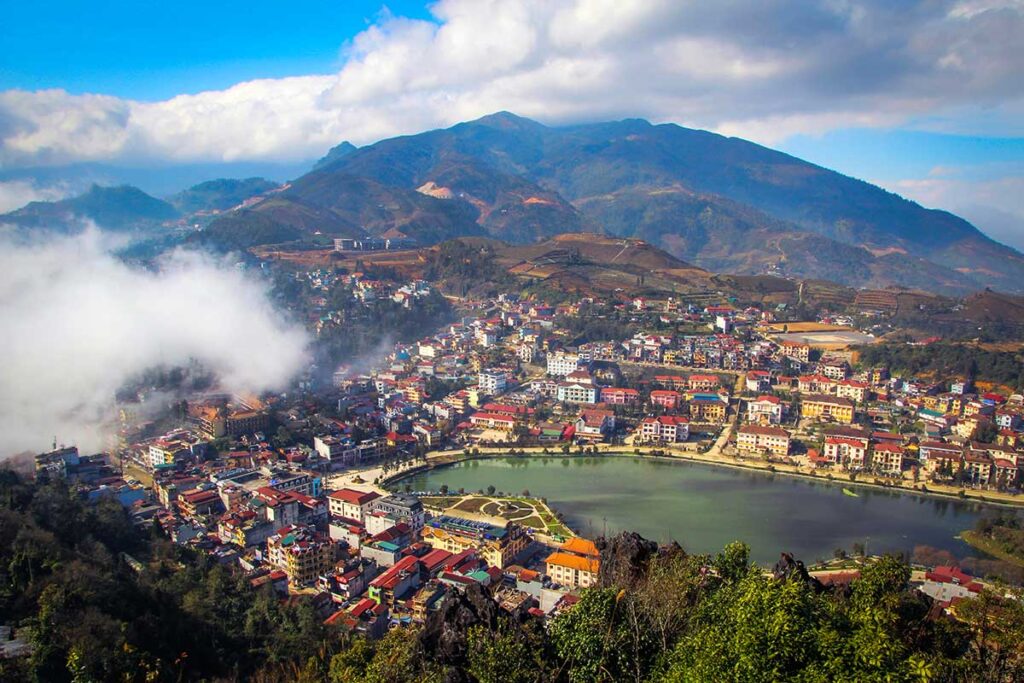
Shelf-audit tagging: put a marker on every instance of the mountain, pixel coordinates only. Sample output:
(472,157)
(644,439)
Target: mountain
(335,153)
(721,203)
(219,195)
(117,208)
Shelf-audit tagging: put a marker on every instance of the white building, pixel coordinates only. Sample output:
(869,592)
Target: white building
(492,382)
(351,504)
(561,364)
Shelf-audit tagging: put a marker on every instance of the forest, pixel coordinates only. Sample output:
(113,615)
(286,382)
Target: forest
(658,613)
(945,360)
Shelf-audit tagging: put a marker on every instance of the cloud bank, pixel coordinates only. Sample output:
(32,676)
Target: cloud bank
(764,69)
(78,323)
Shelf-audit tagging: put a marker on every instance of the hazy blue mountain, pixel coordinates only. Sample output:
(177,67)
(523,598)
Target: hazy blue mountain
(219,195)
(112,208)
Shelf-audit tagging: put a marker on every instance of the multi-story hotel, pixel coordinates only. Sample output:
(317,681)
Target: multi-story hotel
(497,545)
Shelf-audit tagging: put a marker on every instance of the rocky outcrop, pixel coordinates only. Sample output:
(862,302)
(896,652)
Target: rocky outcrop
(624,558)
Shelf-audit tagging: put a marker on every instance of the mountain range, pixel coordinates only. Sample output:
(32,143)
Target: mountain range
(724,204)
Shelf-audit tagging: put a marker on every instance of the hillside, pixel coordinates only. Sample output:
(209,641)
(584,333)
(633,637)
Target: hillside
(722,203)
(113,208)
(219,195)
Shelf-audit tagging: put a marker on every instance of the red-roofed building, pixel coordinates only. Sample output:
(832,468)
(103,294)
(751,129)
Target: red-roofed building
(399,579)
(765,410)
(664,429)
(351,504)
(665,398)
(850,452)
(617,396)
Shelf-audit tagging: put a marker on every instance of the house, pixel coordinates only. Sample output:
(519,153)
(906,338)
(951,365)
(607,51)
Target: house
(796,351)
(595,424)
(350,503)
(887,458)
(498,421)
(820,406)
(665,398)
(577,392)
(703,383)
(665,429)
(575,564)
(397,581)
(765,410)
(619,396)
(763,439)
(848,448)
(707,410)
(816,384)
(978,468)
(758,381)
(852,389)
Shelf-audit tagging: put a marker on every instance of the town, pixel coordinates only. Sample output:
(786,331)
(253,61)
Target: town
(306,491)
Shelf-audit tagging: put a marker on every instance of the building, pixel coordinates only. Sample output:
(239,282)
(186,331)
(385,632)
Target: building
(595,424)
(820,406)
(575,564)
(852,389)
(619,397)
(351,504)
(498,546)
(577,392)
(492,382)
(399,580)
(400,508)
(562,364)
(796,351)
(488,420)
(763,439)
(847,451)
(703,383)
(765,410)
(887,458)
(707,410)
(301,553)
(57,463)
(329,447)
(664,429)
(666,398)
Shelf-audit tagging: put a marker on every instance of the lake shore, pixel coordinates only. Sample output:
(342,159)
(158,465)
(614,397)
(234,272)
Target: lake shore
(666,452)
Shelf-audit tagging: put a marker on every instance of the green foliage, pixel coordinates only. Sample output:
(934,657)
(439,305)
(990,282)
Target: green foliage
(593,639)
(944,360)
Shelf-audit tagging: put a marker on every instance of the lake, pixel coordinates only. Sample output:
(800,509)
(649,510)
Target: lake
(703,507)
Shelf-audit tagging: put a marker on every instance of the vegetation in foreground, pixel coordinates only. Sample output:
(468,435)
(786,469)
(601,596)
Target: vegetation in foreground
(657,614)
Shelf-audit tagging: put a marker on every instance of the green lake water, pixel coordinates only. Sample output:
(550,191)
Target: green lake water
(703,507)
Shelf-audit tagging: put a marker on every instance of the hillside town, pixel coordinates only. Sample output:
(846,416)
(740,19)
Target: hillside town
(305,491)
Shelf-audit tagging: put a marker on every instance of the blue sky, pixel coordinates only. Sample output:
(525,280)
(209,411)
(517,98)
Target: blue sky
(152,50)
(925,97)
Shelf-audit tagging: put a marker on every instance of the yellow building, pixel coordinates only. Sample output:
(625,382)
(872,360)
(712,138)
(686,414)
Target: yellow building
(301,553)
(702,410)
(763,439)
(575,564)
(498,546)
(817,406)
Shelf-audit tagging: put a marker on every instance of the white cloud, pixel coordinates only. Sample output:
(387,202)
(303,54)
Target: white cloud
(762,69)
(15,194)
(995,205)
(78,323)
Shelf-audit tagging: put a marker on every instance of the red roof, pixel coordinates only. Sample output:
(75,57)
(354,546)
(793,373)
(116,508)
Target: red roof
(354,497)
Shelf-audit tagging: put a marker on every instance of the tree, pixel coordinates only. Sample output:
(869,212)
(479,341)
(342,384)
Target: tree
(490,490)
